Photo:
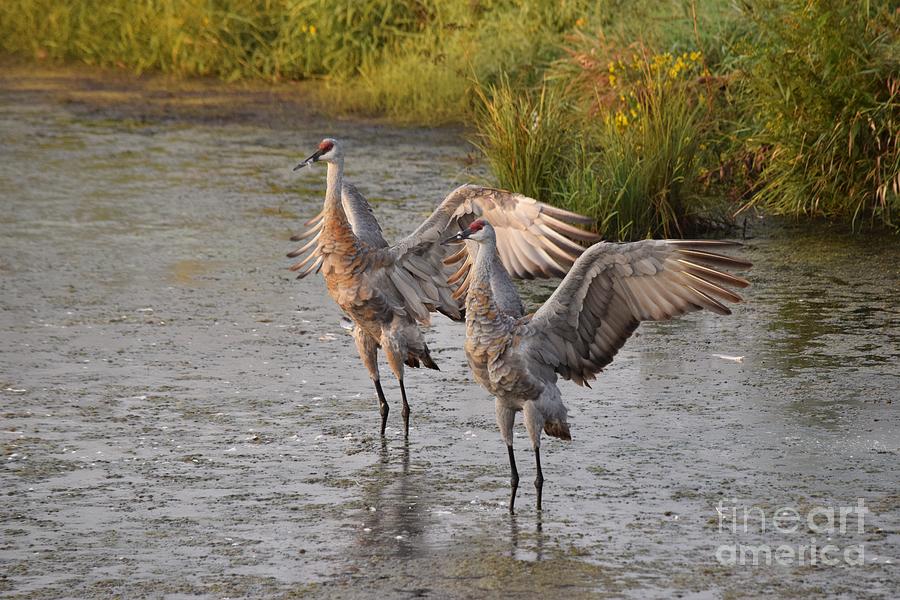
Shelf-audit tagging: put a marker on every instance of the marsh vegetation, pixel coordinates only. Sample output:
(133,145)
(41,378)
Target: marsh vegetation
(657,118)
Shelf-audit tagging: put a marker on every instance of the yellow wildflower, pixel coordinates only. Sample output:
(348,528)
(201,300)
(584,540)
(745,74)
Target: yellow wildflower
(579,22)
(612,80)
(312,30)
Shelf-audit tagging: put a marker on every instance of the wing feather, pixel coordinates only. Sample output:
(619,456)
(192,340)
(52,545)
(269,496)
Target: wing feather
(611,288)
(534,240)
(362,221)
(316,264)
(305,246)
(537,240)
(300,264)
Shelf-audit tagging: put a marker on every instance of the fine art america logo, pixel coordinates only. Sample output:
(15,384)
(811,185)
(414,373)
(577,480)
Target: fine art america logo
(832,525)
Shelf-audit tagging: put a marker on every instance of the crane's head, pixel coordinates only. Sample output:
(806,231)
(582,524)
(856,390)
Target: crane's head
(329,150)
(478,231)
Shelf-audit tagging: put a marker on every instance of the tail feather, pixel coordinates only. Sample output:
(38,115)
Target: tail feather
(412,360)
(557,429)
(460,318)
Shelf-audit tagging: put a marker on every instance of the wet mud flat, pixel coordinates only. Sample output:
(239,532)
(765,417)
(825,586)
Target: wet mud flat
(179,418)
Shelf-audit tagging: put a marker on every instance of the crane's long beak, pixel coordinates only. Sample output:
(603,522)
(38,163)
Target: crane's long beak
(462,235)
(314,157)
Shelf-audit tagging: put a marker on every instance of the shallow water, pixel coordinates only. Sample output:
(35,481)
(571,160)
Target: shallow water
(181,418)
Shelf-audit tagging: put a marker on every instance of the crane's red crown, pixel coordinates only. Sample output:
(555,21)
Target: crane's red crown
(326,146)
(476,225)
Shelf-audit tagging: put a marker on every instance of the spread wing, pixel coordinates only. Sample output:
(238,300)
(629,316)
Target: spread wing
(533,240)
(613,287)
(362,221)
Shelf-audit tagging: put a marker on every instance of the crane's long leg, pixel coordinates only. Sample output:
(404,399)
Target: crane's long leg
(506,417)
(368,352)
(382,405)
(534,423)
(513,479)
(393,345)
(405,411)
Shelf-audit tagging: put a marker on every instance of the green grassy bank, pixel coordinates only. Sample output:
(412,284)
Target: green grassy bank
(657,118)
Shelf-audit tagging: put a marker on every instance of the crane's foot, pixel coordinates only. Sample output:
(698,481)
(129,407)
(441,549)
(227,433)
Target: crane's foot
(539,480)
(513,480)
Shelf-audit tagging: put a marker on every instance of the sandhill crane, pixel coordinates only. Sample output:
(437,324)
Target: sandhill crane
(386,290)
(609,290)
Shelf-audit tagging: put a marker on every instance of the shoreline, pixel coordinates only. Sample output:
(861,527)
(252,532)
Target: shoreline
(146,97)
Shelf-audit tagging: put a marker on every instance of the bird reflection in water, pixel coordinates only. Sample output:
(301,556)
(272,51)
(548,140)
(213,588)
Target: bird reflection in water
(519,552)
(394,510)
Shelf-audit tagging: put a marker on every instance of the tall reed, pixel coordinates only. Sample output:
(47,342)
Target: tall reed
(823,88)
(628,156)
(525,137)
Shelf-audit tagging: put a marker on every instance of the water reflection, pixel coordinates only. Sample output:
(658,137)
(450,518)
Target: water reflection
(395,515)
(525,550)
(828,301)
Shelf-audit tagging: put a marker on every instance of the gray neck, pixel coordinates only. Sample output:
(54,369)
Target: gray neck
(482,308)
(337,225)
(335,184)
(484,261)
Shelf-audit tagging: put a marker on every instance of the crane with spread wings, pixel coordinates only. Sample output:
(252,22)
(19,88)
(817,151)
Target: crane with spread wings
(389,290)
(607,293)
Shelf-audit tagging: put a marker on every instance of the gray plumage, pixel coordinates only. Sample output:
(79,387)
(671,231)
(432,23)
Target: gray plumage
(607,293)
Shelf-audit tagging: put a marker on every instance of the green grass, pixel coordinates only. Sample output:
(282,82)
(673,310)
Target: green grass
(629,156)
(823,89)
(412,60)
(648,168)
(231,39)
(525,137)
